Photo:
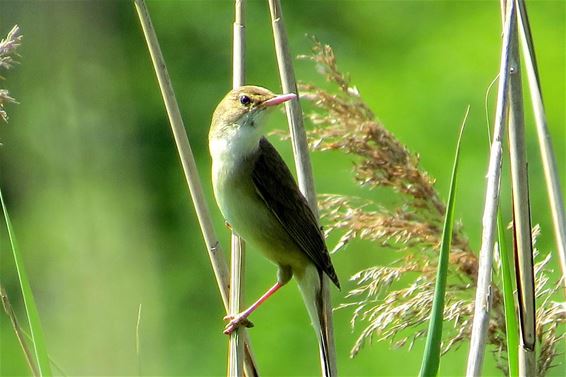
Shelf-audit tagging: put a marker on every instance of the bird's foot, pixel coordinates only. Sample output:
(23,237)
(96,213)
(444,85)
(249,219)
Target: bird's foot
(236,321)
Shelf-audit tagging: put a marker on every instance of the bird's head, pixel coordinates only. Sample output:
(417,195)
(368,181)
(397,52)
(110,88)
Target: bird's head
(242,110)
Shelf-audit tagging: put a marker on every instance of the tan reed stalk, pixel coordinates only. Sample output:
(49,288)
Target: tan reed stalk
(300,151)
(555,200)
(238,253)
(185,152)
(483,291)
(521,215)
(189,166)
(293,108)
(236,343)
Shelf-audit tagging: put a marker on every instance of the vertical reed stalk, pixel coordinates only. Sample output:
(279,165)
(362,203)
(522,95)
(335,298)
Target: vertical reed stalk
(300,152)
(239,44)
(185,153)
(521,214)
(238,254)
(236,345)
(293,107)
(545,142)
(483,296)
(189,166)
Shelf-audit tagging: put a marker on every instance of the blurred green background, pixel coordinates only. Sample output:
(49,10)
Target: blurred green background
(99,202)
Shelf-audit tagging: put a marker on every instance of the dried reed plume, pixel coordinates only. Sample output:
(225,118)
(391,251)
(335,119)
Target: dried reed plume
(8,47)
(394,302)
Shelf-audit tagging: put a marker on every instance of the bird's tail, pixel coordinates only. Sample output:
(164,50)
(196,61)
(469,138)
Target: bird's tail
(310,284)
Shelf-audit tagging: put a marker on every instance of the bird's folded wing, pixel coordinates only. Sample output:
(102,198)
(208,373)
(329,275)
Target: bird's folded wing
(274,183)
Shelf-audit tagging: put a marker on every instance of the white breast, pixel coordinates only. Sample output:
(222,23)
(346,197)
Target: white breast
(228,152)
(239,203)
(234,144)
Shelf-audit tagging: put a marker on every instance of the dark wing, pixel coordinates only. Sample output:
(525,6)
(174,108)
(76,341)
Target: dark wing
(276,186)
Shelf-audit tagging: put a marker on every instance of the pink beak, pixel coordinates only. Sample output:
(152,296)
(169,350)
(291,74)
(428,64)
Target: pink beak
(278,99)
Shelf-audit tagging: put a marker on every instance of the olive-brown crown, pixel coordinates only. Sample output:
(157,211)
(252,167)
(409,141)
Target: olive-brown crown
(245,101)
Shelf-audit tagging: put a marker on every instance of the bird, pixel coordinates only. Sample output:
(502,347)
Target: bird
(261,202)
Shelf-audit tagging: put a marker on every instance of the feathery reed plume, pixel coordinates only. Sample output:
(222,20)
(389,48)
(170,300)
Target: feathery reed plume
(8,47)
(344,122)
(550,315)
(393,302)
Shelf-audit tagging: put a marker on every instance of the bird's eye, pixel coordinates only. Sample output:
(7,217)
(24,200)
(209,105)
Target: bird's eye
(245,100)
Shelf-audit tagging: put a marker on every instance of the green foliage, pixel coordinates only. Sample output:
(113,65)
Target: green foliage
(431,357)
(38,342)
(511,324)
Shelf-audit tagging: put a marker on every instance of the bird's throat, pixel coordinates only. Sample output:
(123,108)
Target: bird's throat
(231,143)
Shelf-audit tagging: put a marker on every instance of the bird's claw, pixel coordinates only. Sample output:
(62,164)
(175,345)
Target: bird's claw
(236,321)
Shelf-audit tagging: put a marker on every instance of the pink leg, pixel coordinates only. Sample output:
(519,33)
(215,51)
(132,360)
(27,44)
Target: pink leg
(237,320)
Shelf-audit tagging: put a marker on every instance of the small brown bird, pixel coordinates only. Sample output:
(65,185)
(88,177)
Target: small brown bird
(259,198)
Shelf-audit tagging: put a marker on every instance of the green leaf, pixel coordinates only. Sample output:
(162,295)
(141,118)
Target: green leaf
(511,324)
(431,357)
(29,302)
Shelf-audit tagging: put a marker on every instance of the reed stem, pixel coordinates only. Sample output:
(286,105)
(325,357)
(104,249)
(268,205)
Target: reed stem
(521,215)
(236,344)
(189,168)
(185,153)
(293,107)
(300,153)
(238,254)
(483,291)
(550,168)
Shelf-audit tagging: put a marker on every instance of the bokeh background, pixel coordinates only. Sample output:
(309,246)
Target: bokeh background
(99,202)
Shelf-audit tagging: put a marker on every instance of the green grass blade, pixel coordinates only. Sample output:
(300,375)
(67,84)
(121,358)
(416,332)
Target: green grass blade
(30,359)
(511,325)
(29,302)
(431,357)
